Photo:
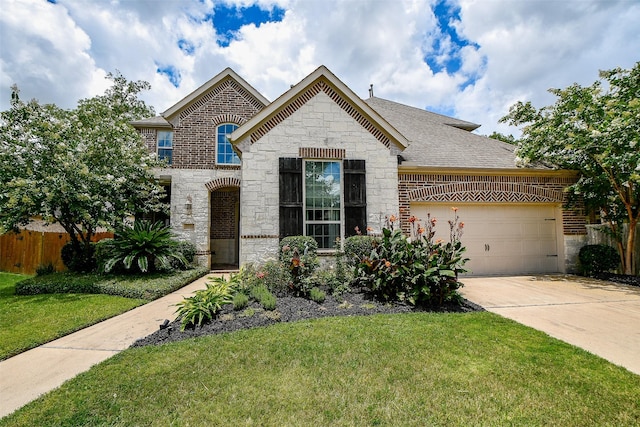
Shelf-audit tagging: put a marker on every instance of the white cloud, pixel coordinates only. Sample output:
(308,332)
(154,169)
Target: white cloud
(517,50)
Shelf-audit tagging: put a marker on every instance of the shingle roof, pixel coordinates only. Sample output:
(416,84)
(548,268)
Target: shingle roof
(440,141)
(153,122)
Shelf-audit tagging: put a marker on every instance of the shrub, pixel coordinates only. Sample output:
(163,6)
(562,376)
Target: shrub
(418,270)
(44,269)
(188,251)
(240,301)
(148,287)
(317,295)
(204,304)
(305,245)
(271,274)
(142,246)
(261,294)
(596,259)
(298,255)
(77,260)
(358,247)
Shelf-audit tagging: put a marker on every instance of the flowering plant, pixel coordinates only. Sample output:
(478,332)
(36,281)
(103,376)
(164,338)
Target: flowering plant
(415,269)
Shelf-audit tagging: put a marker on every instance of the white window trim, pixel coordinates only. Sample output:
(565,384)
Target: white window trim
(217,147)
(158,148)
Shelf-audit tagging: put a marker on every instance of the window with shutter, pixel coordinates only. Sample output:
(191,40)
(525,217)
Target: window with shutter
(291,218)
(355,197)
(319,197)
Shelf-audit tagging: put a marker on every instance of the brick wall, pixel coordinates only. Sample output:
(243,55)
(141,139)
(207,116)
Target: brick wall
(194,139)
(223,213)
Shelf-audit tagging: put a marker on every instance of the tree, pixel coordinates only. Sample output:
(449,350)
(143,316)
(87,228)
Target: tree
(82,168)
(509,139)
(596,131)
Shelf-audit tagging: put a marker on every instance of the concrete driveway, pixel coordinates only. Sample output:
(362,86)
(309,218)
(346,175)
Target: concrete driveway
(600,317)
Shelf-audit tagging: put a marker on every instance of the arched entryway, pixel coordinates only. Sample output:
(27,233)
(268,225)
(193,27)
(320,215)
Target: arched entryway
(224,229)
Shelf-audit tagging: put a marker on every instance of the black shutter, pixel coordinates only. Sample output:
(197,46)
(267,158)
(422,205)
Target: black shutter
(355,197)
(291,219)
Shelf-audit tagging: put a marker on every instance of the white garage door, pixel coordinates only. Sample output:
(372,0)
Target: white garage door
(502,239)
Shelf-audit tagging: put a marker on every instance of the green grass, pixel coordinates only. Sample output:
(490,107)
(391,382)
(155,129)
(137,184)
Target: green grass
(387,370)
(31,320)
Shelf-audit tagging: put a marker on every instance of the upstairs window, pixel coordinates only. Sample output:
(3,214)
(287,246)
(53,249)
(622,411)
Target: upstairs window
(224,151)
(165,146)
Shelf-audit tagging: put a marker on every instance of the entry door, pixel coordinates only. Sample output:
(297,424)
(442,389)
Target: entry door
(502,239)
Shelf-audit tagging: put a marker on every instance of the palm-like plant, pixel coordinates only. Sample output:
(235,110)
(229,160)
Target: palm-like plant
(145,244)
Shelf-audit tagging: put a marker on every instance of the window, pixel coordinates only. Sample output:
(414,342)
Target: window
(322,207)
(224,151)
(320,213)
(165,146)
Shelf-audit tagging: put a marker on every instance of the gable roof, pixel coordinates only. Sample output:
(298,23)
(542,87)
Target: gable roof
(166,118)
(440,141)
(194,96)
(320,80)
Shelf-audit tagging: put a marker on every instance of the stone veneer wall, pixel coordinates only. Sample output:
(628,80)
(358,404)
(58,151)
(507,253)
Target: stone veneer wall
(415,187)
(194,226)
(318,125)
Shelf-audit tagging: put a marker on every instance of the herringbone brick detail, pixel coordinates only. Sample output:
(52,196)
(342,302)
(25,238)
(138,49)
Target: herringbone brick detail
(485,192)
(320,86)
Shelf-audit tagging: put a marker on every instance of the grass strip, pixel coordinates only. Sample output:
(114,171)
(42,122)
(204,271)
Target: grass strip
(387,370)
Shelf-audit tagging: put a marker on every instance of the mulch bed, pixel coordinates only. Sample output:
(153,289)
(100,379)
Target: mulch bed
(290,309)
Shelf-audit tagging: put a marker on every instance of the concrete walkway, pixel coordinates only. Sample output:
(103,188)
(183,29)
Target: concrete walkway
(600,317)
(28,375)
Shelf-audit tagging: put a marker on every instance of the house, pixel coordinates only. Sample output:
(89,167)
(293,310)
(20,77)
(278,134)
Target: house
(244,172)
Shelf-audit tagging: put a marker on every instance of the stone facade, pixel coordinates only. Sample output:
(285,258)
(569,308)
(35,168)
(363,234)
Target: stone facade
(320,126)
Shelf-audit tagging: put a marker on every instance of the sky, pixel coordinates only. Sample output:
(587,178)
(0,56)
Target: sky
(470,59)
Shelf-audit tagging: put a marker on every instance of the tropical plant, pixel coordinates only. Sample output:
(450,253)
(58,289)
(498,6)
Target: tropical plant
(205,303)
(417,269)
(145,243)
(83,168)
(594,130)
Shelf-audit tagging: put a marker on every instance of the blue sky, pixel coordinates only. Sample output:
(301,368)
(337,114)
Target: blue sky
(467,58)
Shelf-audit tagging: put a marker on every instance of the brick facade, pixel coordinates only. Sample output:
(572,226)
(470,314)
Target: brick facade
(432,187)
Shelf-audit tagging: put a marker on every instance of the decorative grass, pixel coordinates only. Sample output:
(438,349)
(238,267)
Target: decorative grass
(387,370)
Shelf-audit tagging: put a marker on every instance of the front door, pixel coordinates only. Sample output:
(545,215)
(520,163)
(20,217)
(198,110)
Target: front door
(224,228)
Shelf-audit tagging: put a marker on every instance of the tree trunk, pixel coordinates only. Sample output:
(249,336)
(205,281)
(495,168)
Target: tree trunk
(628,256)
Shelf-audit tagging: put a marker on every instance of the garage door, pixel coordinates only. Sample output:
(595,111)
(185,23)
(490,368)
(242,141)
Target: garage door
(502,239)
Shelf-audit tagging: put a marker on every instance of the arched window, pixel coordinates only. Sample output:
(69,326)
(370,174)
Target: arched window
(224,151)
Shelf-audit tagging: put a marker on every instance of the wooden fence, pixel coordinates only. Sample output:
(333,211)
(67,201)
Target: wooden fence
(23,252)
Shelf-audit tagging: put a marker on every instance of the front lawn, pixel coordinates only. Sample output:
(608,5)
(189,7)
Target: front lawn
(31,320)
(55,305)
(389,370)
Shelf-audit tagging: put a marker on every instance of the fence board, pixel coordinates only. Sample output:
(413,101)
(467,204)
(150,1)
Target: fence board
(23,252)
